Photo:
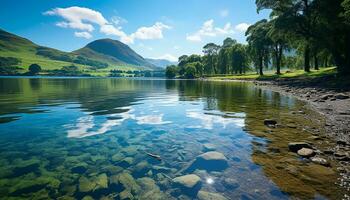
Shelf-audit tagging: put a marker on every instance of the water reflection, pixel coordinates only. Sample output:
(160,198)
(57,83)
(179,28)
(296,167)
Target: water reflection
(76,138)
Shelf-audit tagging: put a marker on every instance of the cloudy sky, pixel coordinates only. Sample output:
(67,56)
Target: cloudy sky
(153,28)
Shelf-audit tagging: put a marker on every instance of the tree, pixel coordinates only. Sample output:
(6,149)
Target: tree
(259,42)
(170,71)
(34,69)
(211,51)
(190,71)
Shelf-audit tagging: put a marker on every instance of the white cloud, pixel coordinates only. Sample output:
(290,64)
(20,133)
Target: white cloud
(116,20)
(85,35)
(242,27)
(209,30)
(224,13)
(78,18)
(152,32)
(177,47)
(84,19)
(167,57)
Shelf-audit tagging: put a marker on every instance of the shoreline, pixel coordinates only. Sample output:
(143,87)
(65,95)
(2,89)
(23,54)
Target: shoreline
(333,104)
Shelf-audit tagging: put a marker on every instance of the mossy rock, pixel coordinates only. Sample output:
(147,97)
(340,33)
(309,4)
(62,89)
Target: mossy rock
(203,195)
(86,185)
(125,180)
(126,195)
(117,157)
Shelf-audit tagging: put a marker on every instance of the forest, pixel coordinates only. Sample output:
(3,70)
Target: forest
(299,34)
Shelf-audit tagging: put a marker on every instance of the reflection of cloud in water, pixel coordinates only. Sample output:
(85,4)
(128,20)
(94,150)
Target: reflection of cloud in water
(208,121)
(152,119)
(85,123)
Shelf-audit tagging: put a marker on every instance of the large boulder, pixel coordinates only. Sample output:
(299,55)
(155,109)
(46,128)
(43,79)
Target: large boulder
(203,195)
(209,161)
(296,146)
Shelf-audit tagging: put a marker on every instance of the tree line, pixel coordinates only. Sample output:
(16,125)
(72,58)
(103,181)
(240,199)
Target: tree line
(299,33)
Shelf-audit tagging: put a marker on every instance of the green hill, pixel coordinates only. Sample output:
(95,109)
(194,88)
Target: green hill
(113,51)
(98,57)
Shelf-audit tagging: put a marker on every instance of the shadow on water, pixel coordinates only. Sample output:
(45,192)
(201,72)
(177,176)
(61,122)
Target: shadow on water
(76,138)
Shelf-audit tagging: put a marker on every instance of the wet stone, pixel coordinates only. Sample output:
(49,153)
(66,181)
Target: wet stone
(320,161)
(210,161)
(188,181)
(203,195)
(231,183)
(306,152)
(209,147)
(270,122)
(296,146)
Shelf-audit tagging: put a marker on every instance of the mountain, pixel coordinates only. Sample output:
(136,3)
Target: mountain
(162,63)
(100,55)
(113,51)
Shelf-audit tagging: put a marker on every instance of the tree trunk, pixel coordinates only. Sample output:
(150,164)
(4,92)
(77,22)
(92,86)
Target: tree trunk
(316,62)
(261,65)
(307,59)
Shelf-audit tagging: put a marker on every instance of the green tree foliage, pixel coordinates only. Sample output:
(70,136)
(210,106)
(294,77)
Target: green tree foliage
(171,71)
(316,26)
(9,61)
(259,43)
(34,69)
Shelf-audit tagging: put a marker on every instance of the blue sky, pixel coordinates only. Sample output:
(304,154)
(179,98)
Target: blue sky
(153,28)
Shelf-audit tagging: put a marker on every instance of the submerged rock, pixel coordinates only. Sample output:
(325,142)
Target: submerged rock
(203,195)
(125,180)
(209,147)
(150,190)
(189,184)
(270,122)
(341,96)
(306,152)
(209,161)
(92,184)
(296,146)
(320,161)
(231,183)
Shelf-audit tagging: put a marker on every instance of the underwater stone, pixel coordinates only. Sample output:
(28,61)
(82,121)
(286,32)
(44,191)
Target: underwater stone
(231,183)
(203,195)
(150,190)
(209,147)
(190,181)
(127,181)
(88,198)
(270,122)
(209,161)
(126,162)
(85,185)
(320,161)
(306,152)
(126,195)
(296,146)
(101,181)
(117,157)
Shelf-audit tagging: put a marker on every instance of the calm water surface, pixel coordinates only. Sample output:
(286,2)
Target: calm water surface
(89,138)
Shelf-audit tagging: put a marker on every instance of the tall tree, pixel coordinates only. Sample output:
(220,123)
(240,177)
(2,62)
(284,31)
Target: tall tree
(211,50)
(259,42)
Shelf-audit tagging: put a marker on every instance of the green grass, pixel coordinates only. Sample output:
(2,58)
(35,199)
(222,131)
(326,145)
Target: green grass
(271,75)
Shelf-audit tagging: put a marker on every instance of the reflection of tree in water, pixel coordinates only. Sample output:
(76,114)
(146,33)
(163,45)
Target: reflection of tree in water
(299,179)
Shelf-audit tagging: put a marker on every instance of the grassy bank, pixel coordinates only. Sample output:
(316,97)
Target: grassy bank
(324,78)
(285,75)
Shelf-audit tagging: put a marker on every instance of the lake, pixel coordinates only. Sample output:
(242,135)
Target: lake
(94,138)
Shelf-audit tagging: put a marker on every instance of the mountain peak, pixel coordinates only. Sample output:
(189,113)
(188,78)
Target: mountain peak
(113,49)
